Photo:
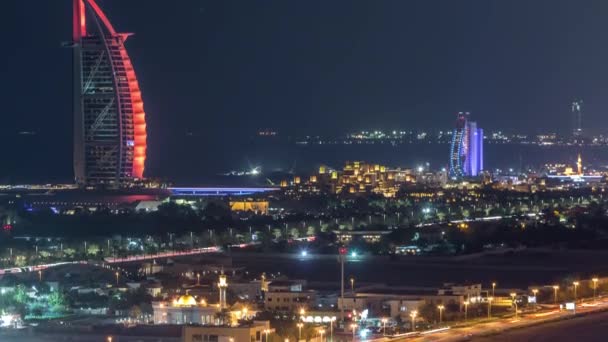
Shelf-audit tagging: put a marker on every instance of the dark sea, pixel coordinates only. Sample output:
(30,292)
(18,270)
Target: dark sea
(200,161)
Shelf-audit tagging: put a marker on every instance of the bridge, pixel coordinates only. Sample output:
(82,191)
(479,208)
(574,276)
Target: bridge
(219,191)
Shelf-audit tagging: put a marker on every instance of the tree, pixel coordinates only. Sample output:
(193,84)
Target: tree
(20,295)
(93,249)
(135,312)
(57,302)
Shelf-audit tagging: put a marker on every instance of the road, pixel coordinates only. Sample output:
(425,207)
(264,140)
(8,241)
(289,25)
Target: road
(589,328)
(530,327)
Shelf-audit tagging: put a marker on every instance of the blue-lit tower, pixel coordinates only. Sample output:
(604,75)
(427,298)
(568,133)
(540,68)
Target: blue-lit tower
(466,149)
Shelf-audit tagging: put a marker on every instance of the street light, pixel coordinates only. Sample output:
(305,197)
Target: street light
(513,294)
(321,332)
(413,315)
(490,299)
(535,292)
(109,338)
(466,309)
(555,288)
(117,275)
(352,285)
(40,275)
(299,325)
(354,327)
(384,320)
(302,312)
(595,280)
(576,283)
(266,331)
(440,307)
(493,288)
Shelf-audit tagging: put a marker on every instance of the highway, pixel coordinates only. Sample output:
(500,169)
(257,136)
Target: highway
(590,328)
(111,261)
(528,327)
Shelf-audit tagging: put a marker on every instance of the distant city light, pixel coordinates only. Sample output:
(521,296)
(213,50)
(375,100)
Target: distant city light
(353,254)
(304,253)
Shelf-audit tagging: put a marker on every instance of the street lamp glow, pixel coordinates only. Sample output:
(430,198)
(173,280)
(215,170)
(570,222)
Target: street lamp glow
(555,288)
(466,309)
(384,320)
(490,299)
(576,284)
(413,315)
(513,294)
(595,280)
(441,308)
(321,332)
(300,325)
(304,253)
(353,254)
(353,326)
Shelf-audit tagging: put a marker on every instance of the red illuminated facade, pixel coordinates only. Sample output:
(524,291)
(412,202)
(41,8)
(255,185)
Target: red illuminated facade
(109,117)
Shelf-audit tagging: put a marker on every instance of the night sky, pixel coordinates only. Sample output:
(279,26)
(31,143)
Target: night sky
(228,68)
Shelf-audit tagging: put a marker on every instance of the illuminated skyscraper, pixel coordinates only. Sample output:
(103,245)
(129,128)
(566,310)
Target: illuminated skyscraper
(109,118)
(577,118)
(466,149)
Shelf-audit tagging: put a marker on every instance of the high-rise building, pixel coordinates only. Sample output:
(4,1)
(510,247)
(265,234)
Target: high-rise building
(109,118)
(466,149)
(577,118)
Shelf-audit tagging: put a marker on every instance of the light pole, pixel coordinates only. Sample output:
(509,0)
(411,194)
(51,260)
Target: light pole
(352,285)
(384,326)
(466,309)
(555,288)
(109,339)
(266,331)
(490,299)
(354,328)
(40,275)
(440,307)
(594,280)
(342,251)
(331,328)
(576,283)
(493,288)
(535,292)
(413,316)
(513,294)
(198,278)
(299,325)
(117,275)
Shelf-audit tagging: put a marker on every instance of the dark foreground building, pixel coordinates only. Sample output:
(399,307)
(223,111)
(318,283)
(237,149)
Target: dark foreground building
(109,118)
